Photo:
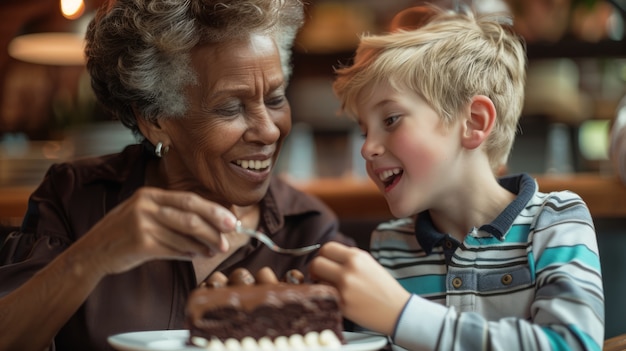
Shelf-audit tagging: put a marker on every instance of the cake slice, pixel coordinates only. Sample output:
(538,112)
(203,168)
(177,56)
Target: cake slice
(262,310)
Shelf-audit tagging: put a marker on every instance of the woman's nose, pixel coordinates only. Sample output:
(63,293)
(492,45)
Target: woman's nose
(263,127)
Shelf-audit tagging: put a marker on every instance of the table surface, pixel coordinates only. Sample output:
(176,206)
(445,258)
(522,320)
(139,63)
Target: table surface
(353,198)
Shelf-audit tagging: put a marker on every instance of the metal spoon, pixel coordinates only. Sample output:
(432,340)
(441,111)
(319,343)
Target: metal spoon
(272,245)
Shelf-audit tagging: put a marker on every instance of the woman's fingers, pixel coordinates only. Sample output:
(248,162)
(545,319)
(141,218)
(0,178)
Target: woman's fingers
(217,216)
(181,244)
(188,226)
(158,224)
(188,214)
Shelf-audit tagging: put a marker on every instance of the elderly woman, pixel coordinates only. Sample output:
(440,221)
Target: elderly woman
(115,243)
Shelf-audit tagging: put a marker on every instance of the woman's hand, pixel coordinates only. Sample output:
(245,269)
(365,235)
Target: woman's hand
(370,296)
(156,224)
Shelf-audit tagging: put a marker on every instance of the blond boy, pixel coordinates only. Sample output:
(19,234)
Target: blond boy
(473,262)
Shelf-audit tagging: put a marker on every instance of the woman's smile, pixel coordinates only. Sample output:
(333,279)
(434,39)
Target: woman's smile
(253,170)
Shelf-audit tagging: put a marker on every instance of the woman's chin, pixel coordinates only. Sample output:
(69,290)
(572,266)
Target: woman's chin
(251,196)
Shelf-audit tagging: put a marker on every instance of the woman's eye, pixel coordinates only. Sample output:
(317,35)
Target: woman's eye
(276,101)
(228,111)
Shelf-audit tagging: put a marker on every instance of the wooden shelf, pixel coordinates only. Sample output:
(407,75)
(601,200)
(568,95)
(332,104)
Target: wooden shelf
(356,199)
(605,195)
(572,48)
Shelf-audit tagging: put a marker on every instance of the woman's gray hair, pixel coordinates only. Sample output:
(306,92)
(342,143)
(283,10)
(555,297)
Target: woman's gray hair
(139,51)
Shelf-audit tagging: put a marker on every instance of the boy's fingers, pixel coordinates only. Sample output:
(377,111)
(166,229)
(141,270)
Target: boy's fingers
(325,269)
(336,252)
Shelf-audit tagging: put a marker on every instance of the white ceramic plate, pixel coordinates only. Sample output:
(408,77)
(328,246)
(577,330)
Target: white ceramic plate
(159,340)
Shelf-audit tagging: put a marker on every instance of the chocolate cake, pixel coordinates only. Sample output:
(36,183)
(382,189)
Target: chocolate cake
(244,309)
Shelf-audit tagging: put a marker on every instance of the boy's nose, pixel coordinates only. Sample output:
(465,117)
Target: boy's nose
(371,149)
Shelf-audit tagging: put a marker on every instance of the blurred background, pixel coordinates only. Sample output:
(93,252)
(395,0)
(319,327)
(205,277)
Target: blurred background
(576,79)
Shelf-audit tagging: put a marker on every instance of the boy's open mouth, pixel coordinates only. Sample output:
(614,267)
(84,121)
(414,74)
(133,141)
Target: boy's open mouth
(390,176)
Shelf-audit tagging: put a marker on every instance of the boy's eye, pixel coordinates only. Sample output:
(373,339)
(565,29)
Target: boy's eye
(362,130)
(390,120)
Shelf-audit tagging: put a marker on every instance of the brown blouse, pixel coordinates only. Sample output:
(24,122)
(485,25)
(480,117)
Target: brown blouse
(74,196)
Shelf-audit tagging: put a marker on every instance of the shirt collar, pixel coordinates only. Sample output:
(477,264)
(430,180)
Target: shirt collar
(281,202)
(523,185)
(427,236)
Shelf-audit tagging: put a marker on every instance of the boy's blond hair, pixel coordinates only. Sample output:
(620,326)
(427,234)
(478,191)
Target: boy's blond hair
(447,61)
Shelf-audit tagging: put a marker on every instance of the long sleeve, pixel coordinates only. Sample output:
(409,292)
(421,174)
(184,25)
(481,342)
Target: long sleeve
(38,242)
(566,305)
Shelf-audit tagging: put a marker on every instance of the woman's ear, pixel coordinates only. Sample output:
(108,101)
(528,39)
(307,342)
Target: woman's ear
(152,130)
(479,123)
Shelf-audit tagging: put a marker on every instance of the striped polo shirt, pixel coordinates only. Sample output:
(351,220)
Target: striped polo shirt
(529,280)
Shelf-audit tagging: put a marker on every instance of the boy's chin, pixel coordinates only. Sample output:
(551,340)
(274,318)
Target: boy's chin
(399,211)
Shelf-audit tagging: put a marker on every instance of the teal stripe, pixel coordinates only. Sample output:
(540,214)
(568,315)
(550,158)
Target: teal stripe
(587,340)
(531,265)
(426,284)
(557,343)
(566,254)
(517,234)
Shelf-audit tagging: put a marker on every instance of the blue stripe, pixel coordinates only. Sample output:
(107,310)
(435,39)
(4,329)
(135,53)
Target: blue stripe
(566,254)
(517,234)
(426,284)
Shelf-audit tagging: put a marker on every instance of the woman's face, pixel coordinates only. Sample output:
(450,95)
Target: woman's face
(238,117)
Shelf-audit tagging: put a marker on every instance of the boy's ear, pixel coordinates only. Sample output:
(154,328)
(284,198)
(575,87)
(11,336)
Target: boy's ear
(479,122)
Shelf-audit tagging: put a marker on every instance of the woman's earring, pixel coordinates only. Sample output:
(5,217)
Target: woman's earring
(160,150)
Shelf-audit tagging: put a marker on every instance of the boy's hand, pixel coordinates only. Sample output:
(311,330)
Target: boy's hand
(370,296)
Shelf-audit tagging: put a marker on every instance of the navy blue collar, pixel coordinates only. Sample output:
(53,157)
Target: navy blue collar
(523,185)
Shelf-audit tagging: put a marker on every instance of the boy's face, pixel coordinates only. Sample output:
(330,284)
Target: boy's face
(410,154)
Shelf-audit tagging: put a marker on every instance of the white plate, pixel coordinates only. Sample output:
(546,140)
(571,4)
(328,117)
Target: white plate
(159,340)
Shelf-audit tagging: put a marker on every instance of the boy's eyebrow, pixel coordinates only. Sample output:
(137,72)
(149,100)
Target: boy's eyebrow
(382,103)
(376,106)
